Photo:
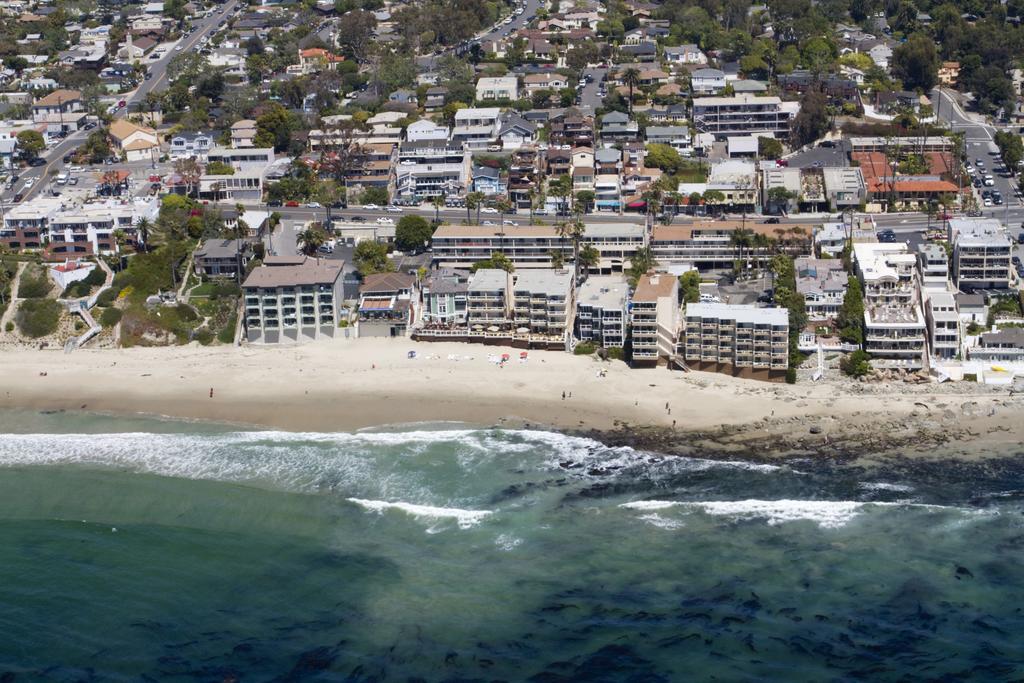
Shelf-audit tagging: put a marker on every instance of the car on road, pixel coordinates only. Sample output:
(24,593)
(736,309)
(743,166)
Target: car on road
(384,220)
(314,205)
(888,236)
(179,48)
(370,207)
(38,161)
(154,178)
(488,223)
(326,249)
(18,197)
(391,208)
(274,202)
(357,219)
(89,126)
(488,209)
(772,220)
(508,222)
(291,204)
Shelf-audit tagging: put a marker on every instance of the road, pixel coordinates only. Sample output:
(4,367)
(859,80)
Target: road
(589,99)
(54,156)
(977,138)
(426,62)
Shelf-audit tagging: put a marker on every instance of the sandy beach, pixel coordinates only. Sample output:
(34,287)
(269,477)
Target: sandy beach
(344,385)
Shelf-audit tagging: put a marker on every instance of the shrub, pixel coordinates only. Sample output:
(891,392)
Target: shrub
(38,317)
(35,284)
(970,377)
(584,349)
(855,364)
(203,336)
(616,353)
(9,326)
(227,333)
(186,313)
(223,289)
(107,297)
(110,317)
(790,375)
(82,287)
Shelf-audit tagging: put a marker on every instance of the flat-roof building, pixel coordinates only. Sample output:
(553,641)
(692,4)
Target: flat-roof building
(739,340)
(981,253)
(601,311)
(293,302)
(654,318)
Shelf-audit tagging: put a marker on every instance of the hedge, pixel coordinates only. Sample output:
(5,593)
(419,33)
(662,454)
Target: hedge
(110,317)
(34,285)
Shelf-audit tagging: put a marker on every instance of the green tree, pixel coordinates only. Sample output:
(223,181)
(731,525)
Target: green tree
(689,286)
(851,314)
(664,157)
(31,143)
(856,364)
(310,240)
(640,263)
(812,120)
(557,259)
(585,200)
(631,79)
(219,168)
(371,257)
(589,257)
(274,128)
(413,233)
(769,148)
(916,62)
(497,260)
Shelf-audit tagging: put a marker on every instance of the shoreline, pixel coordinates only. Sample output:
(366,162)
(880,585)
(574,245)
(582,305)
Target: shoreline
(346,385)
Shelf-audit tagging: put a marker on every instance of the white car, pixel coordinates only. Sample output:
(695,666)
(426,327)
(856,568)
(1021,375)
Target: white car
(488,209)
(393,209)
(313,205)
(383,220)
(488,223)
(179,48)
(508,222)
(370,207)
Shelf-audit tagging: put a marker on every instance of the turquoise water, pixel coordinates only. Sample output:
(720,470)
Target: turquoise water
(144,550)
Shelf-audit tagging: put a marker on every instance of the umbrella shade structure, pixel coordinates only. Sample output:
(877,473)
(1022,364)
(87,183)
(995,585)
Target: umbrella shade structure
(492,328)
(505,356)
(522,330)
(478,327)
(523,354)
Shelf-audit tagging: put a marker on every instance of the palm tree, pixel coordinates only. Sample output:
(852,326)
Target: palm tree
(631,79)
(503,206)
(310,240)
(640,263)
(438,202)
(573,229)
(142,229)
(557,259)
(589,257)
(474,200)
(741,239)
(531,195)
(561,187)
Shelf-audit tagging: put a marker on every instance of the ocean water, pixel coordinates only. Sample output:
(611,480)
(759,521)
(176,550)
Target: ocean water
(167,551)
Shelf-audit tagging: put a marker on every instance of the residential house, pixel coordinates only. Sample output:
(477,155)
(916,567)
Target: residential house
(943,323)
(444,294)
(685,54)
(431,168)
(514,131)
(242,133)
(386,304)
(676,137)
(476,128)
(57,103)
(436,97)
(135,143)
(707,81)
(618,127)
(571,128)
(823,283)
(497,88)
(487,180)
(295,301)
(894,325)
(949,73)
(1001,346)
(488,300)
(221,258)
(545,81)
(425,129)
(316,59)
(191,146)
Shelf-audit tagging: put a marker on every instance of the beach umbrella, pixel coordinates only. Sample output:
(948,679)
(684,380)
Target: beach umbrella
(522,330)
(523,354)
(478,327)
(504,356)
(492,328)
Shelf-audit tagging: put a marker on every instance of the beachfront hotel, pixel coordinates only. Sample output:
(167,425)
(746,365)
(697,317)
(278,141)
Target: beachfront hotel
(530,246)
(292,299)
(601,311)
(654,318)
(739,340)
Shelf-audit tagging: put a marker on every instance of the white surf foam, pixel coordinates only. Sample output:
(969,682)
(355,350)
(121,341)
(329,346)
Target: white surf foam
(464,518)
(885,486)
(650,504)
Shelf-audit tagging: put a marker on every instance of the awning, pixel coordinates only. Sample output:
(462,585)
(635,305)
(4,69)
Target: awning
(639,204)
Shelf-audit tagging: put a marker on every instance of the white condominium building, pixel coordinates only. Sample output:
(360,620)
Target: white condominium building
(739,340)
(894,326)
(544,301)
(654,318)
(981,253)
(601,311)
(743,115)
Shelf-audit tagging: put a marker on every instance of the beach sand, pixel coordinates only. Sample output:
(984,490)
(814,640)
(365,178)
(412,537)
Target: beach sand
(342,385)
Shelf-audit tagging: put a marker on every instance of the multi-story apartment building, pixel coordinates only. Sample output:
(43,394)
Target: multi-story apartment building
(544,302)
(933,264)
(743,115)
(488,304)
(476,128)
(530,246)
(894,326)
(601,311)
(708,245)
(739,340)
(71,227)
(654,318)
(823,284)
(292,299)
(981,253)
(431,168)
(943,323)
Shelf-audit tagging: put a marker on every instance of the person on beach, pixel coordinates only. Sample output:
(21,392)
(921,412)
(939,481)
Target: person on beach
(211,392)
(563,395)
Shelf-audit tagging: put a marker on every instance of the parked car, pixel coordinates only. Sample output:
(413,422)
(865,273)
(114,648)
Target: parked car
(291,204)
(273,202)
(357,219)
(384,220)
(772,220)
(391,208)
(371,207)
(313,205)
(488,209)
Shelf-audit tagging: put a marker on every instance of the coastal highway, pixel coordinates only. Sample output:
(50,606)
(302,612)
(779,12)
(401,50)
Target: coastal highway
(32,179)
